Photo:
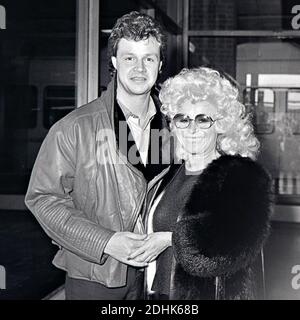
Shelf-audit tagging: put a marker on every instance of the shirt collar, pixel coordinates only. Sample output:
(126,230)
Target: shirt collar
(143,123)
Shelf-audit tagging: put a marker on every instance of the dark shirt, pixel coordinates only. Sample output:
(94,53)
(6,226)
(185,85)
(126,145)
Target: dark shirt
(165,216)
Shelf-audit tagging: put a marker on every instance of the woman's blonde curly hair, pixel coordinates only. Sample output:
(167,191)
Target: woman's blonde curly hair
(235,130)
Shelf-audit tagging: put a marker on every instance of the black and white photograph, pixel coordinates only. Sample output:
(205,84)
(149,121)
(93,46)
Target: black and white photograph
(149,152)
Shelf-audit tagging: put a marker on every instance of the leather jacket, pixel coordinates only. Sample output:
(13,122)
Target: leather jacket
(81,192)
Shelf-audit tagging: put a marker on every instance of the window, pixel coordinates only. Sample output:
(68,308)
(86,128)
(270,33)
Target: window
(20,104)
(58,102)
(293,109)
(267,70)
(260,101)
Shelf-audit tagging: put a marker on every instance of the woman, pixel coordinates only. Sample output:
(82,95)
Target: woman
(210,217)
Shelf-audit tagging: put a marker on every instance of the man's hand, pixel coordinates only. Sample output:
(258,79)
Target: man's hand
(122,244)
(154,245)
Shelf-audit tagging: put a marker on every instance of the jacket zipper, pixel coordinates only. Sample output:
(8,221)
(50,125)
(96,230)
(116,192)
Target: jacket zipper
(152,184)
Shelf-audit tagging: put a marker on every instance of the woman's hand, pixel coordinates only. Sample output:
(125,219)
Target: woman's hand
(154,245)
(122,244)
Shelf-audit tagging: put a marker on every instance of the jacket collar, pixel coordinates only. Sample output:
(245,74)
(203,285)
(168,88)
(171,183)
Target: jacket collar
(108,98)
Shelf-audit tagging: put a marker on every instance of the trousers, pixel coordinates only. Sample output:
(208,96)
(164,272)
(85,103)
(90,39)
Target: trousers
(77,289)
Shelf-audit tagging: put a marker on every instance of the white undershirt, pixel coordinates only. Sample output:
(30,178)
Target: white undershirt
(140,128)
(140,136)
(151,269)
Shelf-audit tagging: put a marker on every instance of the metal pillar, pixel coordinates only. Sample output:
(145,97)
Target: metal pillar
(87,51)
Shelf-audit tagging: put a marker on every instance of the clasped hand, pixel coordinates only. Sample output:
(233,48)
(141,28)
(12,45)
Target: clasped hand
(137,249)
(153,246)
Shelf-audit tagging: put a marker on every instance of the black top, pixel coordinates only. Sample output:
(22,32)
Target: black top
(165,216)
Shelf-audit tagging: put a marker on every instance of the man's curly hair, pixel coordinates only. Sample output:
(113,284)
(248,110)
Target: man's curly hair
(135,26)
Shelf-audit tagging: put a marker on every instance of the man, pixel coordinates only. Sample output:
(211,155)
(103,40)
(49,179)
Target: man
(91,208)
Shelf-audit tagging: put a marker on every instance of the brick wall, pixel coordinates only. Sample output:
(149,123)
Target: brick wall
(259,15)
(212,14)
(217,52)
(228,15)
(162,4)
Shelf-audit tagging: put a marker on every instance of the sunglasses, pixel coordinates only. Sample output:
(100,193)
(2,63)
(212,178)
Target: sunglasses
(202,121)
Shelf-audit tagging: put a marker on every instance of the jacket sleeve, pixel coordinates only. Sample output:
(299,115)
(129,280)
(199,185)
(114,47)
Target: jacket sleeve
(49,198)
(199,262)
(229,236)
